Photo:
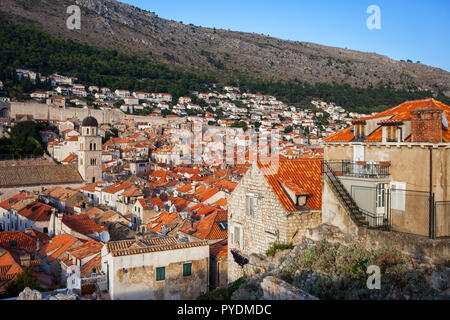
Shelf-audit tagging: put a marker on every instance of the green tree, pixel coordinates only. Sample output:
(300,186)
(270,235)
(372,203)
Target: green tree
(288,130)
(240,124)
(23,280)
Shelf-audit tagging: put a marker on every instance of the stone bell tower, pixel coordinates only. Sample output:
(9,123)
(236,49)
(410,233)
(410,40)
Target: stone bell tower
(90,151)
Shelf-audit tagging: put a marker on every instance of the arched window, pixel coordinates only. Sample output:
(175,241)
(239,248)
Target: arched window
(87,131)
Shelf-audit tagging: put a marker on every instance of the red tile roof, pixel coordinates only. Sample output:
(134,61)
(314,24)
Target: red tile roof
(8,203)
(150,203)
(87,249)
(205,195)
(117,187)
(83,224)
(163,219)
(401,112)
(306,174)
(22,241)
(219,249)
(57,246)
(208,227)
(9,268)
(37,211)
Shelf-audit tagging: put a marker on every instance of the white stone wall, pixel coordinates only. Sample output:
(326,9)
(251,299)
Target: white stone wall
(271,223)
(133,277)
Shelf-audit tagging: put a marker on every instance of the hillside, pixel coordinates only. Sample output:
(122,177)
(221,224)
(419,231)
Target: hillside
(232,55)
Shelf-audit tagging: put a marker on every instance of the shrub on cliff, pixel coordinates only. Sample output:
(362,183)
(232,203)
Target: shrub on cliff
(333,271)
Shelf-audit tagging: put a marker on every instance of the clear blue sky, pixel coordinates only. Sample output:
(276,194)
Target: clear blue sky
(410,29)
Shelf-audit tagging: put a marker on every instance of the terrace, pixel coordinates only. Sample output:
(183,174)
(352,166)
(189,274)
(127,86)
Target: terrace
(360,169)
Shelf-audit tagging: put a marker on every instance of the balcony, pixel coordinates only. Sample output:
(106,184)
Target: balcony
(360,169)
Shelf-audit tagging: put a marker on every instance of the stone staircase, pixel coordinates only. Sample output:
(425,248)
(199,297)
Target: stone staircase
(345,198)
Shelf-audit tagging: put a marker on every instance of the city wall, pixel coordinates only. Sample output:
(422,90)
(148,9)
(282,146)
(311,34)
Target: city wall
(44,111)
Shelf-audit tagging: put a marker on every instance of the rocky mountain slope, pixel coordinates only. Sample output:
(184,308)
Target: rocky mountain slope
(115,25)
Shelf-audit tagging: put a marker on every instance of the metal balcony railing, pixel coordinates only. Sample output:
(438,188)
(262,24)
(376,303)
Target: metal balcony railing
(360,169)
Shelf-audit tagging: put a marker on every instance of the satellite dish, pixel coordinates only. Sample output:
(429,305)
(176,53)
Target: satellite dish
(444,121)
(104,236)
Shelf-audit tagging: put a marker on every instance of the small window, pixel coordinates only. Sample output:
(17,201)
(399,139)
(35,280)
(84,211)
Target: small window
(252,206)
(160,274)
(187,269)
(223,225)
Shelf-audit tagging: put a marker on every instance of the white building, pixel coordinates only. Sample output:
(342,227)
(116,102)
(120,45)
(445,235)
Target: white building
(168,268)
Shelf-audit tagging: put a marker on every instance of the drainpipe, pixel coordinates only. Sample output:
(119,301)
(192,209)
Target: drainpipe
(431,217)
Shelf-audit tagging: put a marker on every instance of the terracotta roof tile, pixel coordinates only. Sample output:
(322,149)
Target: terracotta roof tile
(211,227)
(306,174)
(402,112)
(57,246)
(8,203)
(148,245)
(83,224)
(219,249)
(17,240)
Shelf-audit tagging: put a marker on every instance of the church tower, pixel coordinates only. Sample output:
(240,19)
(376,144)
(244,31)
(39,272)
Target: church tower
(90,151)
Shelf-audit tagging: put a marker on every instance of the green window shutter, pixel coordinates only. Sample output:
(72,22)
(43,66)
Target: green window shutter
(187,269)
(160,274)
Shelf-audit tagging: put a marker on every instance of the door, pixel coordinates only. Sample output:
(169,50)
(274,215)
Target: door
(381,202)
(358,155)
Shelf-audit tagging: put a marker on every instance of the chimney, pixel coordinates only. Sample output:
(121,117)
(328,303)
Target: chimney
(192,230)
(25,260)
(426,125)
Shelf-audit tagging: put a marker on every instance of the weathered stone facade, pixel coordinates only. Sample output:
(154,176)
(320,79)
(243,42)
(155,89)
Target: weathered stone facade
(132,274)
(43,111)
(270,223)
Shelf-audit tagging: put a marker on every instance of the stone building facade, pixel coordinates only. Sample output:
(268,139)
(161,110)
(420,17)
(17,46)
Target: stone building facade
(167,268)
(412,141)
(262,211)
(90,151)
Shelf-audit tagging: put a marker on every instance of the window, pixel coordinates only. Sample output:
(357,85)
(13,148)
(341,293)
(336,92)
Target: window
(252,206)
(381,198)
(223,225)
(398,196)
(187,269)
(392,134)
(237,237)
(160,274)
